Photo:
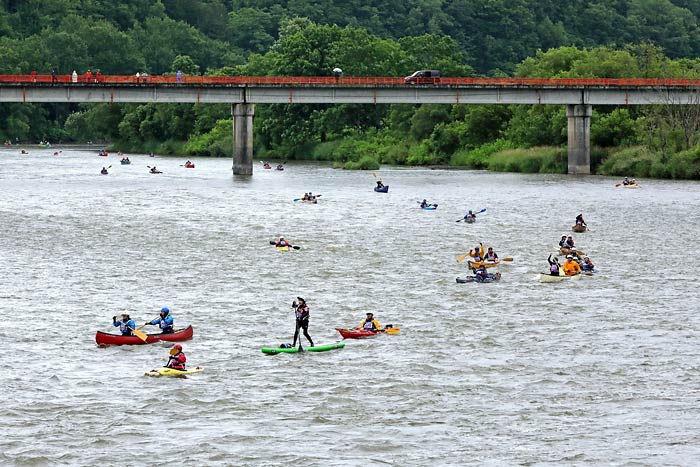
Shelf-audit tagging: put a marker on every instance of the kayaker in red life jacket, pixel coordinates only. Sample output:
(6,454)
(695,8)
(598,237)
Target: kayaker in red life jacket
(126,325)
(283,242)
(370,324)
(490,255)
(165,321)
(177,359)
(301,311)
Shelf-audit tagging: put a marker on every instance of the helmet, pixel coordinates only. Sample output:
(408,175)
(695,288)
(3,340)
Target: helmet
(301,299)
(569,256)
(165,310)
(125,314)
(470,211)
(281,238)
(490,248)
(178,347)
(370,313)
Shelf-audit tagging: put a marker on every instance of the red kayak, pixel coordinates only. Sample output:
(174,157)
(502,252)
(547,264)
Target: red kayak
(189,166)
(103,338)
(355,333)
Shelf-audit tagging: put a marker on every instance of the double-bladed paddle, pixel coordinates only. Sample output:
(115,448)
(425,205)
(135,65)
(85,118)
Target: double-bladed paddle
(296,247)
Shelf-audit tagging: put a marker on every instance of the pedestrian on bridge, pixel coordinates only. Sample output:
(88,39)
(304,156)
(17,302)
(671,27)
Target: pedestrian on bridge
(74,77)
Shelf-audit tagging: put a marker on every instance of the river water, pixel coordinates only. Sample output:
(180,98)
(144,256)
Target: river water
(601,371)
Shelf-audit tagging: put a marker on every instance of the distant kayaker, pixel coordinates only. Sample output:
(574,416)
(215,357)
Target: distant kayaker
(301,311)
(370,324)
(478,252)
(188,164)
(580,221)
(126,325)
(470,215)
(280,167)
(424,204)
(154,170)
(553,266)
(626,181)
(562,242)
(282,243)
(380,184)
(490,255)
(587,264)
(104,171)
(571,267)
(480,274)
(570,242)
(177,359)
(164,321)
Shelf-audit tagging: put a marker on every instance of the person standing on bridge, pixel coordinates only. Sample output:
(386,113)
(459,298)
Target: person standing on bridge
(54,78)
(33,73)
(88,76)
(74,77)
(178,75)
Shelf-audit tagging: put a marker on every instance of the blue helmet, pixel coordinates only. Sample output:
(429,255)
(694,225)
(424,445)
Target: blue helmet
(165,310)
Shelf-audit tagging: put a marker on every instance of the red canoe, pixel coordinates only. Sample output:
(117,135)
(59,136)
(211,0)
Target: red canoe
(355,333)
(102,338)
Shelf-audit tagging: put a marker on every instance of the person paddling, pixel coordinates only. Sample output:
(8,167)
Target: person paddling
(104,171)
(571,267)
(491,255)
(370,324)
(282,243)
(553,266)
(154,170)
(477,253)
(380,184)
(587,265)
(177,359)
(189,164)
(580,221)
(570,242)
(470,216)
(165,321)
(301,311)
(126,325)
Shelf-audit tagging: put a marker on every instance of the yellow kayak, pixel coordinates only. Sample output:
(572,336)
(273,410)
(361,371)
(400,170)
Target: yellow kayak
(282,248)
(171,372)
(487,264)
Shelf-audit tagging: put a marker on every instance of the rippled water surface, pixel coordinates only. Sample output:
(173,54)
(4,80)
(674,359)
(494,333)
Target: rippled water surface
(601,371)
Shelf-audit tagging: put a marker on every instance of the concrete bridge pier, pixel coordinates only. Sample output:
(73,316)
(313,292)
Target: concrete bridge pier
(243,138)
(579,138)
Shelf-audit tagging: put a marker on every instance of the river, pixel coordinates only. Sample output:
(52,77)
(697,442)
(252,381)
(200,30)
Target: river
(600,371)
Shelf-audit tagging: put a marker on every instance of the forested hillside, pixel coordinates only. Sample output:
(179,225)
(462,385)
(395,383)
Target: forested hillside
(606,38)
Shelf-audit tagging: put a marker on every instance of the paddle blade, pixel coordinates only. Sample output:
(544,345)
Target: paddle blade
(392,330)
(140,334)
(296,247)
(458,220)
(483,210)
(272,242)
(617,185)
(462,258)
(506,259)
(374,174)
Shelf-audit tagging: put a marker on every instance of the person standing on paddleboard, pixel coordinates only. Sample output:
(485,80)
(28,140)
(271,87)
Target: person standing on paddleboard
(301,310)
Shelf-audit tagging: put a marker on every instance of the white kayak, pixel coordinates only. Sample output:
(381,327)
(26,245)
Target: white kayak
(172,372)
(548,278)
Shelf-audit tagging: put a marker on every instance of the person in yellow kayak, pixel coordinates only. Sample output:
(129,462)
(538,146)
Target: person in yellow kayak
(490,255)
(477,253)
(177,359)
(126,325)
(571,266)
(283,242)
(370,324)
(165,321)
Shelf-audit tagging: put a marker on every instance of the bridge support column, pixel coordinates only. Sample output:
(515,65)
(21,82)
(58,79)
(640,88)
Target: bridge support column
(243,138)
(579,138)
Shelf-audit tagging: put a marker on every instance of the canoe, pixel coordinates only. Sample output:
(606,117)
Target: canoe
(361,333)
(578,228)
(569,251)
(125,162)
(487,264)
(548,278)
(429,208)
(318,348)
(103,338)
(282,248)
(636,185)
(171,372)
(491,278)
(384,189)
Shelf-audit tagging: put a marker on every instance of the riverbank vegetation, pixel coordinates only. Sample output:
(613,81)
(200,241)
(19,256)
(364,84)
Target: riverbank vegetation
(628,38)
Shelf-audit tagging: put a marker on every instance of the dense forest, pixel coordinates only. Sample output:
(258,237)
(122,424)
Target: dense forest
(543,38)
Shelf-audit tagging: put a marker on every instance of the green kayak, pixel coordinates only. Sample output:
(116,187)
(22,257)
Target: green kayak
(318,348)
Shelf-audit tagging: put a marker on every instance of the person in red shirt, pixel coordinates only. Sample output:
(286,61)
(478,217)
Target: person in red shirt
(98,76)
(177,359)
(88,76)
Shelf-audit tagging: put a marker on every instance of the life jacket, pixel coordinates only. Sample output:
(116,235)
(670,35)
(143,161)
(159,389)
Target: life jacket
(554,268)
(570,244)
(571,268)
(282,243)
(124,328)
(369,326)
(177,361)
(166,324)
(302,313)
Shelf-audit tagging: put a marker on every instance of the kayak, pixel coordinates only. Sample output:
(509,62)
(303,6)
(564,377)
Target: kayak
(429,208)
(578,228)
(189,166)
(282,248)
(103,338)
(470,220)
(487,264)
(384,189)
(125,162)
(548,278)
(267,167)
(631,186)
(362,333)
(171,372)
(318,348)
(156,172)
(491,278)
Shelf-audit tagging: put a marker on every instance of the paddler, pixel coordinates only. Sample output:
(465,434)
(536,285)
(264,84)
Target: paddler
(126,325)
(154,170)
(301,311)
(562,242)
(477,253)
(164,321)
(470,215)
(571,267)
(177,359)
(370,324)
(587,264)
(480,274)
(553,266)
(491,255)
(569,242)
(282,243)
(626,181)
(380,184)
(104,171)
(580,221)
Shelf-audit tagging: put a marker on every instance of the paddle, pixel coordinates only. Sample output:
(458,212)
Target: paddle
(140,334)
(459,220)
(272,242)
(617,185)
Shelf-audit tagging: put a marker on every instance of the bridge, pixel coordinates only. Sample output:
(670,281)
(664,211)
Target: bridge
(244,92)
